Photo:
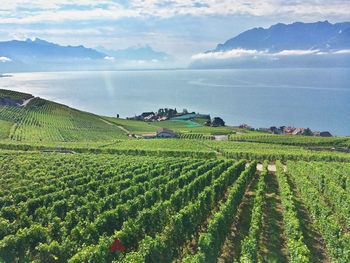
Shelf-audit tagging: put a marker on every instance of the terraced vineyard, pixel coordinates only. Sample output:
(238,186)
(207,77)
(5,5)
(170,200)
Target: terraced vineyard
(197,136)
(74,188)
(59,208)
(290,140)
(42,120)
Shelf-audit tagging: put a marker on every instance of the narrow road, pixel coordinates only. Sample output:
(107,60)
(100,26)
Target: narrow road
(26,102)
(113,124)
(124,129)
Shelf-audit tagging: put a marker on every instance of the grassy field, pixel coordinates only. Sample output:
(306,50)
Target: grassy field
(75,188)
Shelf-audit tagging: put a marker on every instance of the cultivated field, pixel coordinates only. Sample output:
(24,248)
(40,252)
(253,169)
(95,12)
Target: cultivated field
(75,188)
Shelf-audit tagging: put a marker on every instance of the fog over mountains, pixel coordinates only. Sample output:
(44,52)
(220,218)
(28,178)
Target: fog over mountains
(319,44)
(145,53)
(38,49)
(38,54)
(297,44)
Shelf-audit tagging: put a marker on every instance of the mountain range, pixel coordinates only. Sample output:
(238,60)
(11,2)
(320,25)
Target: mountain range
(319,44)
(39,54)
(146,53)
(297,36)
(38,49)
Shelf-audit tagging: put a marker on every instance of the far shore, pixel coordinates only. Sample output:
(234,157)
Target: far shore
(5,75)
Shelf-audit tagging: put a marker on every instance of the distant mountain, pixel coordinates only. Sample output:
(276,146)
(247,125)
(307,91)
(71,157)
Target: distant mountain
(146,53)
(319,44)
(297,36)
(41,50)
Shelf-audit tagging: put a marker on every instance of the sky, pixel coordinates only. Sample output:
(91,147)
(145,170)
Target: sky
(178,27)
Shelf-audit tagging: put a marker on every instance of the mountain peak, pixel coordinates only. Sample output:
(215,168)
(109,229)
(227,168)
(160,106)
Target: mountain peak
(38,49)
(37,41)
(321,35)
(137,52)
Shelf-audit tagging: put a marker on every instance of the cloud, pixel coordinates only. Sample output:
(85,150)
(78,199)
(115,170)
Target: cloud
(297,52)
(344,51)
(254,54)
(28,11)
(5,59)
(234,53)
(109,58)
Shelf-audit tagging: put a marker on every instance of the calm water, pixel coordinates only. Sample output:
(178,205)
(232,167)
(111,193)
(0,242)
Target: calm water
(315,98)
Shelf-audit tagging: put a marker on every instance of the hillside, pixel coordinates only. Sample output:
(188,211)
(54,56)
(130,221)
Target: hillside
(43,120)
(74,188)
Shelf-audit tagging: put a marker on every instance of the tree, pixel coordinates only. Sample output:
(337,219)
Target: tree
(307,132)
(217,121)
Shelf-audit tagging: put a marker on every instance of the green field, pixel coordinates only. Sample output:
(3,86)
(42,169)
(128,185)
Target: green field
(73,183)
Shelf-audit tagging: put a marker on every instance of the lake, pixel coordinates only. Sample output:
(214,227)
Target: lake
(315,98)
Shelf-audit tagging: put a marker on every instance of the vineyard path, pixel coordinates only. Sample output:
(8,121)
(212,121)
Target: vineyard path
(119,126)
(26,102)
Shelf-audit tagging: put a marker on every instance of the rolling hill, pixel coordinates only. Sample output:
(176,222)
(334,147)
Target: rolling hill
(36,119)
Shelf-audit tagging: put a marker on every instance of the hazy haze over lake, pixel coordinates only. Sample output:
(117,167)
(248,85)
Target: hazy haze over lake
(315,98)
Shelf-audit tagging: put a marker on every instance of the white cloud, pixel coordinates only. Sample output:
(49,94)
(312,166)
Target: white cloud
(109,58)
(344,51)
(254,54)
(57,16)
(234,53)
(297,52)
(5,59)
(84,10)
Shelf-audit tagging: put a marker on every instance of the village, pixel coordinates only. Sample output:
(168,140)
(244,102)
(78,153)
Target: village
(288,130)
(165,114)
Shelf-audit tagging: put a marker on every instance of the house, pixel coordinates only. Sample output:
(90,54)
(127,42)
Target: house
(151,135)
(298,131)
(275,130)
(325,134)
(264,130)
(164,118)
(288,130)
(147,115)
(244,126)
(166,133)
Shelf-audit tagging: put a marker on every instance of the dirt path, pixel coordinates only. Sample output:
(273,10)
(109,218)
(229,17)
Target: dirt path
(124,129)
(312,237)
(273,243)
(113,124)
(240,228)
(191,247)
(26,102)
(271,167)
(221,137)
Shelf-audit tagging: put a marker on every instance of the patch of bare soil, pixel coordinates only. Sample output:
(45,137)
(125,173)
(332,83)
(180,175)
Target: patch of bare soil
(240,228)
(273,246)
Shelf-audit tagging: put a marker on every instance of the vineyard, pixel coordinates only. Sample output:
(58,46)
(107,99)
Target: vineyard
(197,136)
(59,208)
(75,188)
(44,121)
(290,140)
